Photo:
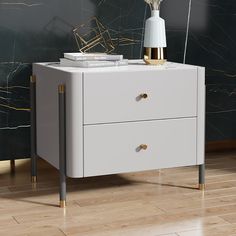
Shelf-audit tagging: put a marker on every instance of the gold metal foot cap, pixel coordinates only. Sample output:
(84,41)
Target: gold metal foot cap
(61,88)
(34,179)
(202,187)
(62,204)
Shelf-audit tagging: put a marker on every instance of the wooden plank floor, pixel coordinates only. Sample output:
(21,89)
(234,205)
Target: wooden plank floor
(162,202)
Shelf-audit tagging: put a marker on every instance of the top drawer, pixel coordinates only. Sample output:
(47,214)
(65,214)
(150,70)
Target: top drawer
(135,96)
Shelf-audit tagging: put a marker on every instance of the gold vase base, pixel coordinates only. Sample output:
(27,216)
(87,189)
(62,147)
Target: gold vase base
(202,187)
(154,56)
(155,62)
(62,204)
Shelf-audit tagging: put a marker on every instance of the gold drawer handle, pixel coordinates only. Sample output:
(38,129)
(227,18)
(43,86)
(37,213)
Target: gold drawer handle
(143,146)
(144,96)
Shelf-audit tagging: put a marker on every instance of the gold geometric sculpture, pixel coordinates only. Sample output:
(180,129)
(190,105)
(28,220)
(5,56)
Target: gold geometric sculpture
(93,36)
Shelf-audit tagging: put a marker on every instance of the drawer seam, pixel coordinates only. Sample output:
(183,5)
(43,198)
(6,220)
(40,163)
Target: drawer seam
(135,121)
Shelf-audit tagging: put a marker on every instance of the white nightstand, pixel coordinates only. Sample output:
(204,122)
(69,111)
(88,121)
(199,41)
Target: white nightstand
(101,121)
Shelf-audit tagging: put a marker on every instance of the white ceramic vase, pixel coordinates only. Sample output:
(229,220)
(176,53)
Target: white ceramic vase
(155,38)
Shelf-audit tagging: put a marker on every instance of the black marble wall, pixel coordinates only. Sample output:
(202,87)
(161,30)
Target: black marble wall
(212,43)
(200,32)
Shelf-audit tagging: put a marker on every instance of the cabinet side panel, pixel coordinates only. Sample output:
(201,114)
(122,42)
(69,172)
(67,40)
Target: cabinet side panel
(201,116)
(47,81)
(46,115)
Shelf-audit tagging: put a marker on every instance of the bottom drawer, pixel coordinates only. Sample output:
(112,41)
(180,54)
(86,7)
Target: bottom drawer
(137,146)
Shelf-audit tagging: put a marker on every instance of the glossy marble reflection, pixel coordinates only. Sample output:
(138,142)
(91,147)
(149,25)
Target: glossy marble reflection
(212,43)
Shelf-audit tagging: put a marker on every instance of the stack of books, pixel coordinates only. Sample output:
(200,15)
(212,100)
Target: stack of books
(87,60)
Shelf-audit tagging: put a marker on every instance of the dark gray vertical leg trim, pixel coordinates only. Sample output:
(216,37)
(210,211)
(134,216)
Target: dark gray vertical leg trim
(33,128)
(13,166)
(62,145)
(202,177)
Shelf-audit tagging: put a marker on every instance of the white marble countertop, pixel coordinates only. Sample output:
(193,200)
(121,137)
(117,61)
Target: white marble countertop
(134,65)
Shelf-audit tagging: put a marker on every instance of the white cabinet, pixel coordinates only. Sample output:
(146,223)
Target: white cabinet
(122,119)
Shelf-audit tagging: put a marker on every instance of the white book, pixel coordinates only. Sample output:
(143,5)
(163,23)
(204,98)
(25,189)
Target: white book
(77,56)
(90,64)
